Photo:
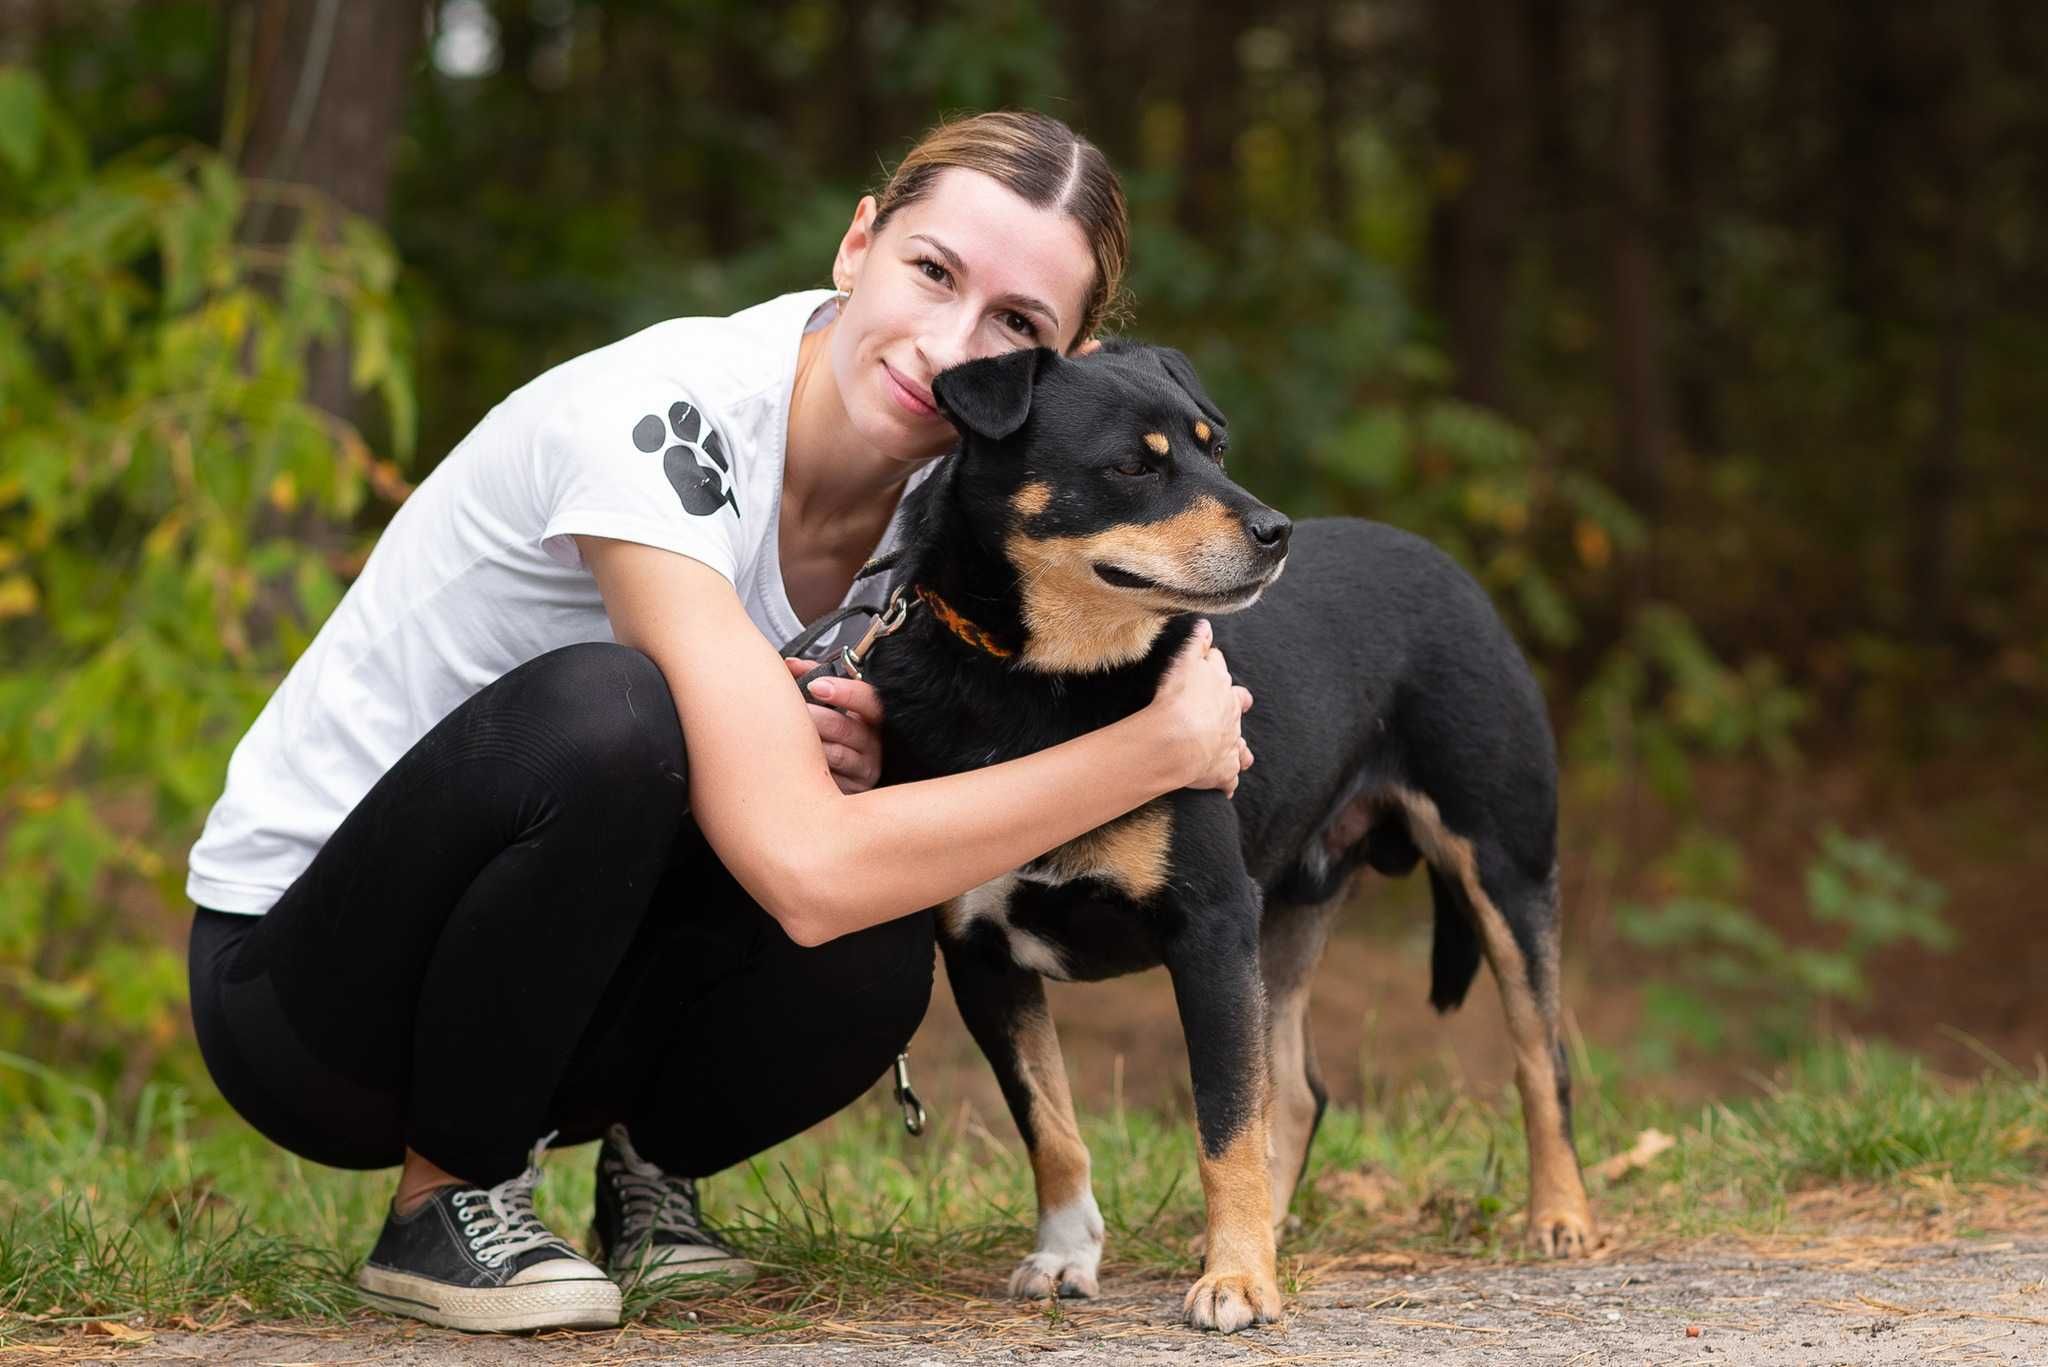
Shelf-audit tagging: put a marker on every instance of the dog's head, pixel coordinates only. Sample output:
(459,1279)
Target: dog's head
(1101,482)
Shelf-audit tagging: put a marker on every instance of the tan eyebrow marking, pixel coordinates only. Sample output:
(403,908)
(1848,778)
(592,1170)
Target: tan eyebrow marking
(1157,441)
(1201,430)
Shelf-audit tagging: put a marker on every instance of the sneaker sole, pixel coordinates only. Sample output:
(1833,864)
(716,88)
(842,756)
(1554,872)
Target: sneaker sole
(589,1303)
(679,1277)
(727,1273)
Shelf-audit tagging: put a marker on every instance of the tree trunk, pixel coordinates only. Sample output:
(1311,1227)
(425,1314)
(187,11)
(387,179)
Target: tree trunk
(1687,43)
(1936,487)
(1208,95)
(1332,75)
(326,100)
(1482,79)
(1640,380)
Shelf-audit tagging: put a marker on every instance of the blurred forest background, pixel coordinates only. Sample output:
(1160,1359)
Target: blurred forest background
(1707,334)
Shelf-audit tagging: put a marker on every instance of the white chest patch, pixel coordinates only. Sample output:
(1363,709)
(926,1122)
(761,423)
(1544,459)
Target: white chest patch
(991,902)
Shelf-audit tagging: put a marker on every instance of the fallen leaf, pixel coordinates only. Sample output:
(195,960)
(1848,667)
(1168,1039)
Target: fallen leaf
(119,1332)
(1648,1145)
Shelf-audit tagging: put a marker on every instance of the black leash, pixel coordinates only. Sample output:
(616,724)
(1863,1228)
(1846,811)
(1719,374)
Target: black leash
(843,664)
(847,661)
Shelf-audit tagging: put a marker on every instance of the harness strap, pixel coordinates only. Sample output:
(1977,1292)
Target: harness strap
(796,646)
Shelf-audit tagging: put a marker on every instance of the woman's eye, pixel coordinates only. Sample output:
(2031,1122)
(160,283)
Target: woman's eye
(933,270)
(1017,322)
(1134,468)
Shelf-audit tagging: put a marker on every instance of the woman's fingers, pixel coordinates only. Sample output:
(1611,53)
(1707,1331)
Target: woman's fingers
(834,725)
(848,728)
(854,770)
(852,695)
(849,695)
(1206,709)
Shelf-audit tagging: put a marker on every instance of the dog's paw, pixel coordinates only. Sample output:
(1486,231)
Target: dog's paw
(1068,1253)
(1230,1301)
(1563,1231)
(1053,1274)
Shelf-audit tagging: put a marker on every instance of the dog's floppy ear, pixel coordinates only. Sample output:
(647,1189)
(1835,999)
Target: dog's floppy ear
(1181,371)
(990,397)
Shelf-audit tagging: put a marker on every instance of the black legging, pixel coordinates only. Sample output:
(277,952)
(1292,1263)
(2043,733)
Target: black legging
(519,929)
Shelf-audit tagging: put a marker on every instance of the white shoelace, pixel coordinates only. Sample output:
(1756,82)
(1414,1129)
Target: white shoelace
(499,1221)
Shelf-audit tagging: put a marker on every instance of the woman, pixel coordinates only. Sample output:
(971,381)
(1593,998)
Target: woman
(538,839)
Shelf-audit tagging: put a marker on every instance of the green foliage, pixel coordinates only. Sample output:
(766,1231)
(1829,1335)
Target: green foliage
(1480,487)
(174,521)
(1661,699)
(1729,978)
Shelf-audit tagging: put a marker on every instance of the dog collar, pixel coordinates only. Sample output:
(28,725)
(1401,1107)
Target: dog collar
(960,626)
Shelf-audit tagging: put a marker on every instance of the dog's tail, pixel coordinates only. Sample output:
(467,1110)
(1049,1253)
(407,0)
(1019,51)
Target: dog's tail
(1454,953)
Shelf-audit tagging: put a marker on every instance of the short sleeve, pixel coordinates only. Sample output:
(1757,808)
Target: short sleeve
(639,460)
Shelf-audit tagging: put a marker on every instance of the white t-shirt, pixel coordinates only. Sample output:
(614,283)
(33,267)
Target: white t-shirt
(673,437)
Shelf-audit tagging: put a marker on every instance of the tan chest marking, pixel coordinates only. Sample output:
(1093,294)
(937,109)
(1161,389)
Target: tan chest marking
(1130,853)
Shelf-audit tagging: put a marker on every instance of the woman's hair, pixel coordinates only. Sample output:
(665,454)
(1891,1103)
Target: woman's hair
(1049,166)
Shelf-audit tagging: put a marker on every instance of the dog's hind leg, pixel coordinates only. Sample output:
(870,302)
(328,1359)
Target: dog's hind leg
(1005,1010)
(1518,930)
(1560,1217)
(1291,939)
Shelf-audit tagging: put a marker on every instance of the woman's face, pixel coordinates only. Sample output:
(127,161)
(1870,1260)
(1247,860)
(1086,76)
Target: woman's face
(970,270)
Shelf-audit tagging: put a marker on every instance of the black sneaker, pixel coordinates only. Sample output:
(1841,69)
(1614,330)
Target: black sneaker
(478,1258)
(648,1226)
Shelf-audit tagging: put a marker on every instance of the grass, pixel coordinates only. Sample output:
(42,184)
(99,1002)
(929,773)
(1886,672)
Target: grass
(183,1219)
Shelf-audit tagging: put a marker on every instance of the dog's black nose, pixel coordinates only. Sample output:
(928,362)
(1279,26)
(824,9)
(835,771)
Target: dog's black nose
(1269,529)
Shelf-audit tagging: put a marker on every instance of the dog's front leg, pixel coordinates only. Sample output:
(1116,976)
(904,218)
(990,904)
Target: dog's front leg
(1212,951)
(1005,1010)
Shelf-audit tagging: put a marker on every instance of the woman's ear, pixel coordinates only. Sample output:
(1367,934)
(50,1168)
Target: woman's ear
(853,246)
(1087,348)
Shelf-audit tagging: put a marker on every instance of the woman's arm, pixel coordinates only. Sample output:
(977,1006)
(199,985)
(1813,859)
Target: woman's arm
(824,863)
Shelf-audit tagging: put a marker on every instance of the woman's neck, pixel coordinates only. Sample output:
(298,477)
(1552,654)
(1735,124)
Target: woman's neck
(834,484)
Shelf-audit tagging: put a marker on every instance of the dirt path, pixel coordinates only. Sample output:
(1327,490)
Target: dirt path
(1877,1302)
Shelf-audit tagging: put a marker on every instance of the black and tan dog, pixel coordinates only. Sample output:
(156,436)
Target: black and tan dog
(1063,554)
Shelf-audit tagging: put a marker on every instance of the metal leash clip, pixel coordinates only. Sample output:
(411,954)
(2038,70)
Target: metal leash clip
(885,624)
(913,1109)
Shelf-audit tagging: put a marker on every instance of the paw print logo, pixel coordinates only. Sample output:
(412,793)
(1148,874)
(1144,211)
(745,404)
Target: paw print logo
(701,487)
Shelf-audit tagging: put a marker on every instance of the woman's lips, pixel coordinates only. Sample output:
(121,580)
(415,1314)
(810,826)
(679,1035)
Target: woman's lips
(910,400)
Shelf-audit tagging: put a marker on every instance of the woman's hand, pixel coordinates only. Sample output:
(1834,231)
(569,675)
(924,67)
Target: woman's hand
(1203,712)
(852,737)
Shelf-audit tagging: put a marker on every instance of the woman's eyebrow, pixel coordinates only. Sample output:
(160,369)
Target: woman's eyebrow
(959,267)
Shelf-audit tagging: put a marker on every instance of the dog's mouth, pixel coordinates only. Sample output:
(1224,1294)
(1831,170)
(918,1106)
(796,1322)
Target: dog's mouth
(1237,594)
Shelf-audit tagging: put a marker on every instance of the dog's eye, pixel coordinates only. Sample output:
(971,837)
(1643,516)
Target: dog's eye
(1216,451)
(1134,468)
